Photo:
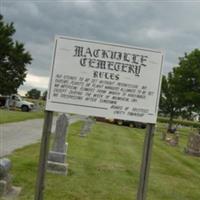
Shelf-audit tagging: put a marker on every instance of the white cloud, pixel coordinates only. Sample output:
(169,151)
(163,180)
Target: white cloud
(22,92)
(154,33)
(37,81)
(34,81)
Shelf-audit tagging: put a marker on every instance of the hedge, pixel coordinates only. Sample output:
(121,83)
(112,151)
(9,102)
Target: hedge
(194,124)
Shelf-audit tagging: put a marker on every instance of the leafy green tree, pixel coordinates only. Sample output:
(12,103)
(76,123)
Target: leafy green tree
(33,94)
(187,77)
(13,60)
(44,95)
(169,100)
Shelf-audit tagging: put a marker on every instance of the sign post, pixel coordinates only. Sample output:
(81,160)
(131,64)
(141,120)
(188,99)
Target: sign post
(105,80)
(44,148)
(145,165)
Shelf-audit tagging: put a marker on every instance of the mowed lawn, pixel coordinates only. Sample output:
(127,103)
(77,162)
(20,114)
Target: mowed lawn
(106,163)
(7,116)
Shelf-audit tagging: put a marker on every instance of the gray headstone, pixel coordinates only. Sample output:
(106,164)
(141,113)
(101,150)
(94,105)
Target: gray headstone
(37,106)
(60,134)
(193,145)
(57,155)
(6,188)
(57,167)
(7,105)
(164,135)
(5,180)
(3,187)
(5,166)
(86,128)
(173,140)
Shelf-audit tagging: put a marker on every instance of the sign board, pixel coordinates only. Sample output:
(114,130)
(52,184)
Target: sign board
(106,80)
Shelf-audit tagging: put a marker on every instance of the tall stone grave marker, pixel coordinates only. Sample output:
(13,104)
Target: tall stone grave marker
(57,156)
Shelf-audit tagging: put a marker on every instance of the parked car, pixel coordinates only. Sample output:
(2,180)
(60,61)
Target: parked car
(122,122)
(15,100)
(103,119)
(130,123)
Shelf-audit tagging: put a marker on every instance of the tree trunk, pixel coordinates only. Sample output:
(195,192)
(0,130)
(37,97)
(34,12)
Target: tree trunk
(170,123)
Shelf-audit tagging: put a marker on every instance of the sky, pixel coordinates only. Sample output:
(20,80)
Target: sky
(173,26)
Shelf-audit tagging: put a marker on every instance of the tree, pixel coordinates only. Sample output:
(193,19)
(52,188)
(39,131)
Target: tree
(44,95)
(33,94)
(169,100)
(13,60)
(187,77)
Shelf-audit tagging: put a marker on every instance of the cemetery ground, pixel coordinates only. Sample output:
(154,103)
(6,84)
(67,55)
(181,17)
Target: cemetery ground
(105,165)
(7,116)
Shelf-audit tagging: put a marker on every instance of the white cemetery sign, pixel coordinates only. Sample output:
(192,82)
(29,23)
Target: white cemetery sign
(106,80)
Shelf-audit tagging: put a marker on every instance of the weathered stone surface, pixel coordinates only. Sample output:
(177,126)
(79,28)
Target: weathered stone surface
(6,188)
(5,179)
(3,187)
(86,128)
(61,133)
(37,106)
(164,135)
(172,139)
(57,167)
(193,145)
(5,166)
(57,156)
(13,194)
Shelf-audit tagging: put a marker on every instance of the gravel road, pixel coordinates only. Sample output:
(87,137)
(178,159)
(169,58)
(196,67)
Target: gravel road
(20,134)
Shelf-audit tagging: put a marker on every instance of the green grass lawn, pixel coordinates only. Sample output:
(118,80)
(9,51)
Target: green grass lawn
(7,116)
(106,164)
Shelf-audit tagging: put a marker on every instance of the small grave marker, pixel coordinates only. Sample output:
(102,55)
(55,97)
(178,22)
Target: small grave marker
(37,106)
(171,136)
(173,140)
(86,128)
(164,135)
(6,188)
(193,146)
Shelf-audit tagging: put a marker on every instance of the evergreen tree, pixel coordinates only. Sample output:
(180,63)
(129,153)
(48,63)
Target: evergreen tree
(169,100)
